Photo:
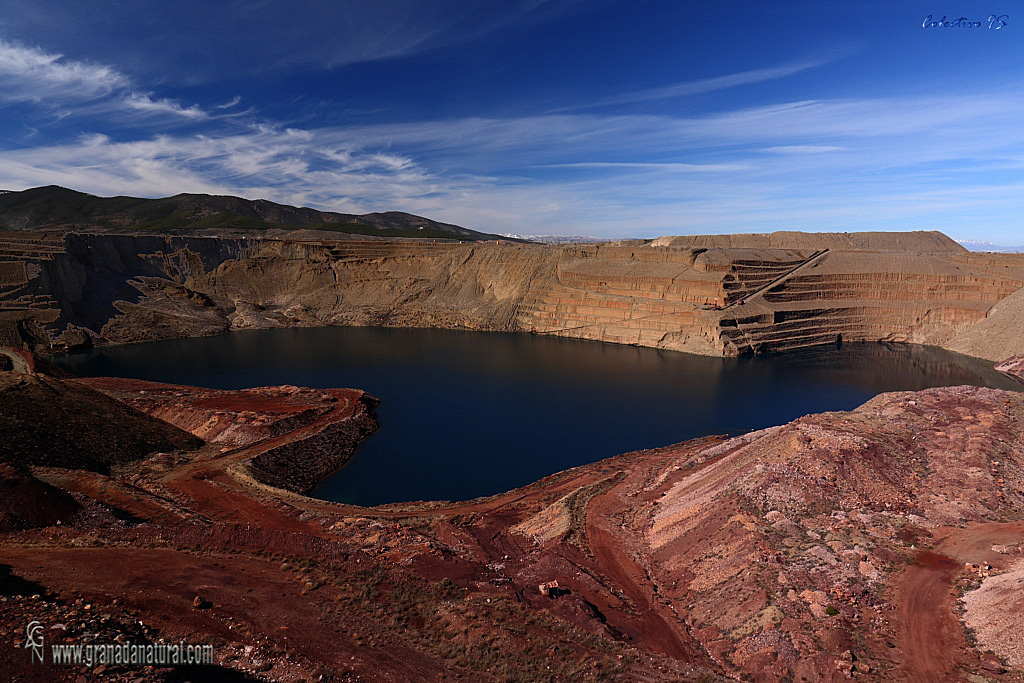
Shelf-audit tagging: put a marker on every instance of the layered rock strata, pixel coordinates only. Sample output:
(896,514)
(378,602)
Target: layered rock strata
(714,295)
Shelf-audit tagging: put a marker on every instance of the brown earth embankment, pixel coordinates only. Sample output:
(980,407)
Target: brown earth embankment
(713,295)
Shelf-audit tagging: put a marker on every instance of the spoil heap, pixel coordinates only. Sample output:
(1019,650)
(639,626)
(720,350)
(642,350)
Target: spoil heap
(833,546)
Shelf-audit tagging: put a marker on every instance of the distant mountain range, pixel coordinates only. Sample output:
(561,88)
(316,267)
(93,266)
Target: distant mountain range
(54,209)
(554,239)
(977,245)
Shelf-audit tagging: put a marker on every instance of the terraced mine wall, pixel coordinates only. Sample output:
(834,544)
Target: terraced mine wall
(713,295)
(866,296)
(74,283)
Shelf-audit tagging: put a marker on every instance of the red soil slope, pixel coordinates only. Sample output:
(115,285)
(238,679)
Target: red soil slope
(829,548)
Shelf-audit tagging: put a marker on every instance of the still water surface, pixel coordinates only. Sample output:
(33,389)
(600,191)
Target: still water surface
(466,414)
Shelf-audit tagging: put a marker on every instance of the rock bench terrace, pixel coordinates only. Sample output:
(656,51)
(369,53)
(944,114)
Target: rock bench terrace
(712,295)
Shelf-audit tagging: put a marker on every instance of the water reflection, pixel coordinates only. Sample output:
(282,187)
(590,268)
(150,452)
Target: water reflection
(916,367)
(465,414)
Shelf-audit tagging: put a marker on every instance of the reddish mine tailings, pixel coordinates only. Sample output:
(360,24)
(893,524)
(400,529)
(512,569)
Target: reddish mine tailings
(26,502)
(1013,367)
(289,437)
(834,547)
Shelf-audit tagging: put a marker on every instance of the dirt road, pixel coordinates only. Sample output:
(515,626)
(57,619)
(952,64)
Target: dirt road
(929,634)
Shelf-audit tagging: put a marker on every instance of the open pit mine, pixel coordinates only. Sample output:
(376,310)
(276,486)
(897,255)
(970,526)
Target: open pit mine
(881,544)
(712,295)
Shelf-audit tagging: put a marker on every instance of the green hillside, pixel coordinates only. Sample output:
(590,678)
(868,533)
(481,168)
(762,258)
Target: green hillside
(54,208)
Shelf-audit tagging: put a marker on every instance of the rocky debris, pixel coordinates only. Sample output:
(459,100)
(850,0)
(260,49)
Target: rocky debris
(300,462)
(1013,366)
(74,338)
(838,502)
(998,335)
(231,418)
(51,422)
(994,611)
(549,589)
(991,664)
(26,502)
(75,621)
(94,515)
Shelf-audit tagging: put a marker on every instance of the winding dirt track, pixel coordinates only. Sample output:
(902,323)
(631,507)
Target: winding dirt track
(650,621)
(207,504)
(650,626)
(250,591)
(929,634)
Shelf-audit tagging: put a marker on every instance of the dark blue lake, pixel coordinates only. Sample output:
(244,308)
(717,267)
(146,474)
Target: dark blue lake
(467,414)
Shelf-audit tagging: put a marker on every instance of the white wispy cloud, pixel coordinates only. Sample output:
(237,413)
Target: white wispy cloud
(30,74)
(711,84)
(281,164)
(803,149)
(703,85)
(332,35)
(228,105)
(145,103)
(193,41)
(650,165)
(33,75)
(882,163)
(841,136)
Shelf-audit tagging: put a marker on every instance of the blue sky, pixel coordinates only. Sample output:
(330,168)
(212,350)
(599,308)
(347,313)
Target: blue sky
(593,117)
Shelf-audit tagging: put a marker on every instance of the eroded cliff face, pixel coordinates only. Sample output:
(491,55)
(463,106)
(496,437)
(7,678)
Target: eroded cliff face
(713,295)
(398,284)
(65,289)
